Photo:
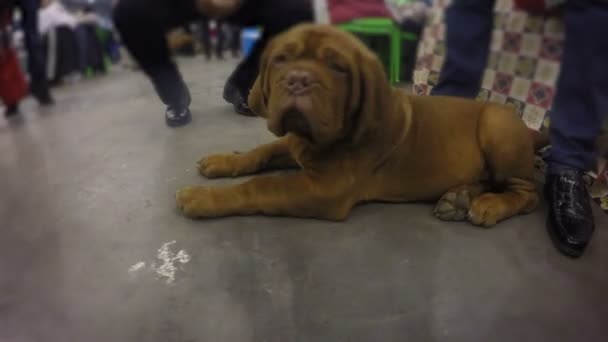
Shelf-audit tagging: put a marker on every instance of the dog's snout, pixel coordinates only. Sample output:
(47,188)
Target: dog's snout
(299,80)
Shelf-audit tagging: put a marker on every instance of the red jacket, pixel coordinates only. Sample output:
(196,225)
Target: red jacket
(13,86)
(341,11)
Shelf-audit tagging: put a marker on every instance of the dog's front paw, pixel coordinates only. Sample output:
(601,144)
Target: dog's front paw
(196,202)
(219,165)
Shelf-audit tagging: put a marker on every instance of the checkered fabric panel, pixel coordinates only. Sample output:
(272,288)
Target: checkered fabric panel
(522,68)
(523,64)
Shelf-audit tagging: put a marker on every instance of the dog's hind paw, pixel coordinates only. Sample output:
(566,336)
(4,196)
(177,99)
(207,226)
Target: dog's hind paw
(487,210)
(453,206)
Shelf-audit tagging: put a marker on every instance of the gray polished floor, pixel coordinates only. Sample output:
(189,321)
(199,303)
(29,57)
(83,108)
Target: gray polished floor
(92,249)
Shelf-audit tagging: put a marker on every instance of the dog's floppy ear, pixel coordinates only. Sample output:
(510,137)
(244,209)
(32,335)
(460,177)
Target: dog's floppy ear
(258,96)
(257,101)
(370,94)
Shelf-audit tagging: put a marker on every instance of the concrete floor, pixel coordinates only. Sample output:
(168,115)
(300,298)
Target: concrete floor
(87,204)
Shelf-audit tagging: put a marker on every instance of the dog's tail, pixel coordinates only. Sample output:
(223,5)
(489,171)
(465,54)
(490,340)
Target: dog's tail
(540,139)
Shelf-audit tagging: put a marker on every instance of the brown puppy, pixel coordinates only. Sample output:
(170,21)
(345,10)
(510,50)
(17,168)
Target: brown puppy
(356,139)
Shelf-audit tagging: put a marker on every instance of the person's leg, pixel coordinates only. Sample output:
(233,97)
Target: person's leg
(235,40)
(81,33)
(409,48)
(205,37)
(581,101)
(582,89)
(275,16)
(242,78)
(221,39)
(142,25)
(468,35)
(39,86)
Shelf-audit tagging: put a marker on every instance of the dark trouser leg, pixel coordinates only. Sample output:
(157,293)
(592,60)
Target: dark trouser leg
(245,73)
(221,39)
(142,25)
(81,33)
(582,89)
(205,37)
(468,35)
(35,60)
(275,16)
(235,40)
(581,99)
(409,48)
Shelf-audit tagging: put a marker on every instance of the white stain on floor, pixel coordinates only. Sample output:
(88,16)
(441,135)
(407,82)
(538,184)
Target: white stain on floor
(136,267)
(167,264)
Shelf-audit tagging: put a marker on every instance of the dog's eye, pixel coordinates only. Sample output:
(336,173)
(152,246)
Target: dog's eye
(279,59)
(338,68)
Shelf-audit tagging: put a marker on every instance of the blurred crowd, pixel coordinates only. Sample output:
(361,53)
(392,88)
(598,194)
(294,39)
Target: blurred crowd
(209,37)
(45,43)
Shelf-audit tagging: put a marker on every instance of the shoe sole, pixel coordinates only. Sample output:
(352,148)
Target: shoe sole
(178,123)
(563,247)
(239,111)
(231,95)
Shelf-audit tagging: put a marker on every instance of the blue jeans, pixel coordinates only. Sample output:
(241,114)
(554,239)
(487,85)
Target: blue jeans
(581,100)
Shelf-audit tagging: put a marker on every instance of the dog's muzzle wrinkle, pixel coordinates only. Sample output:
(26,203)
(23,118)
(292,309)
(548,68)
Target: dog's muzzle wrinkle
(295,122)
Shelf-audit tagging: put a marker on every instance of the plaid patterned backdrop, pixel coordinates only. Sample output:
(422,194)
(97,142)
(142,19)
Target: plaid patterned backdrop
(522,69)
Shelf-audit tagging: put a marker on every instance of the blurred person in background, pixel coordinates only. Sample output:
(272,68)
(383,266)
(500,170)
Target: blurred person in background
(231,39)
(61,48)
(90,47)
(39,87)
(144,23)
(13,86)
(580,103)
(227,36)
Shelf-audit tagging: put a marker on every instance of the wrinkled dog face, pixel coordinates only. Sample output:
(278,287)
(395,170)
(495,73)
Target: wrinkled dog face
(310,83)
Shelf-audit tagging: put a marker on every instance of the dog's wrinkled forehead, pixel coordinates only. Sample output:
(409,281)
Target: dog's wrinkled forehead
(310,41)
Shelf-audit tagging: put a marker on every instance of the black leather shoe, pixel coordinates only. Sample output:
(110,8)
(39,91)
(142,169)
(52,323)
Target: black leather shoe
(243,108)
(175,117)
(238,98)
(570,218)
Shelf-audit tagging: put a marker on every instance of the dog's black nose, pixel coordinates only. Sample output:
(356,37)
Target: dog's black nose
(299,81)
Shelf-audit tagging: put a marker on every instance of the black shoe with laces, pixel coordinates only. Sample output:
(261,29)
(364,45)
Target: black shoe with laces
(570,217)
(176,116)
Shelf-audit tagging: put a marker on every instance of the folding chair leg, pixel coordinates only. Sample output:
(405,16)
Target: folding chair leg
(395,55)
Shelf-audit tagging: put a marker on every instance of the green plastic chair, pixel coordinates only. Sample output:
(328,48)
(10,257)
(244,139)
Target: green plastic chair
(383,27)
